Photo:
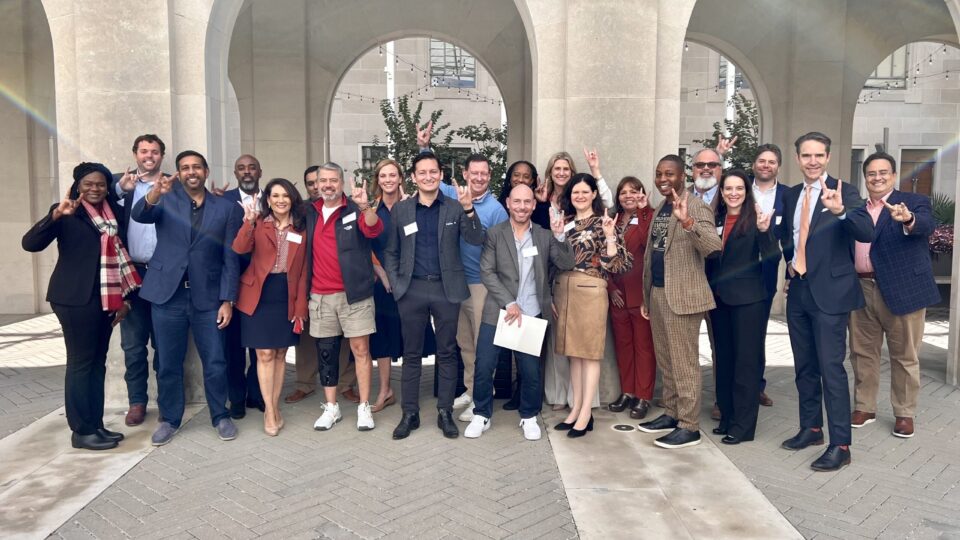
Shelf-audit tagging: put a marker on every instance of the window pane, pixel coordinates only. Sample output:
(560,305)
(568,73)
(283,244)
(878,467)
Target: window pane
(451,66)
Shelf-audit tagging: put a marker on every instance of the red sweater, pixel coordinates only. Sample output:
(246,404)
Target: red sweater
(327,276)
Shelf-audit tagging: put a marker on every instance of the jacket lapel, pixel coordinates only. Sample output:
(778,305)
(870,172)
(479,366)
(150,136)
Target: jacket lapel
(441,225)
(884,219)
(507,232)
(818,208)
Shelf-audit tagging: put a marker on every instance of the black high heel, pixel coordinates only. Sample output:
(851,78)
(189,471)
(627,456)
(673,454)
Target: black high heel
(574,433)
(563,426)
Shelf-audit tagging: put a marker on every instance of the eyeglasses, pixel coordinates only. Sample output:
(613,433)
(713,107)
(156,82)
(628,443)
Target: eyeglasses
(875,174)
(706,165)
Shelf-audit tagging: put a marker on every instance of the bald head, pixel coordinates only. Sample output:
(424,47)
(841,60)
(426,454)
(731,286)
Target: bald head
(248,173)
(520,204)
(707,168)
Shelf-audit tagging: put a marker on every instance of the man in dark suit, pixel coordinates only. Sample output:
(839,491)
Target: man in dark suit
(422,260)
(898,285)
(242,383)
(768,193)
(192,284)
(136,329)
(823,218)
(515,267)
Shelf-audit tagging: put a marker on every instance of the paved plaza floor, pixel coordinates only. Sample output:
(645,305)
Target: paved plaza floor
(347,484)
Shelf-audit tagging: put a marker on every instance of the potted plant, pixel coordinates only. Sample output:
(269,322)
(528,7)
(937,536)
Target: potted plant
(941,241)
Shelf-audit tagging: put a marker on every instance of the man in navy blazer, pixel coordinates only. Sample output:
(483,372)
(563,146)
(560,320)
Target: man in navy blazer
(192,284)
(243,386)
(822,219)
(898,285)
(768,193)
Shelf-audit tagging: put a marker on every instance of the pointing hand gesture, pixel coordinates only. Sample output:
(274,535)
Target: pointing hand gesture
(67,207)
(424,134)
(680,205)
(899,212)
(832,198)
(763,220)
(463,195)
(359,195)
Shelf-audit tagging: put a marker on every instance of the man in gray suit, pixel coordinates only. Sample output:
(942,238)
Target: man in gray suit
(422,260)
(515,266)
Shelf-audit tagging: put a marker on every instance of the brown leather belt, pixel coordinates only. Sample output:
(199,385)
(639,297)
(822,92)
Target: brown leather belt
(867,275)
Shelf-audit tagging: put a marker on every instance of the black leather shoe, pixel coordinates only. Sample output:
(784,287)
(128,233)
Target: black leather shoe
(659,424)
(112,435)
(730,439)
(622,402)
(446,424)
(678,438)
(803,439)
(563,426)
(834,459)
(639,409)
(575,433)
(257,404)
(719,431)
(94,441)
(408,423)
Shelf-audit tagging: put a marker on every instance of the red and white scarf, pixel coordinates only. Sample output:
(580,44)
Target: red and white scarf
(118,277)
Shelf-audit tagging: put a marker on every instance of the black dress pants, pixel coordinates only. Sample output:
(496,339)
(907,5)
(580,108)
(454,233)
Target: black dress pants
(86,332)
(423,300)
(739,340)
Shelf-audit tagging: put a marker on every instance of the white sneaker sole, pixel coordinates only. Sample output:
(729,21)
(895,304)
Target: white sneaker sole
(870,421)
(901,435)
(365,428)
(675,446)
(649,430)
(321,428)
(529,438)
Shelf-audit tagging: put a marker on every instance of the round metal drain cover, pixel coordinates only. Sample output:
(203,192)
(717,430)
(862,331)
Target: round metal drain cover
(623,427)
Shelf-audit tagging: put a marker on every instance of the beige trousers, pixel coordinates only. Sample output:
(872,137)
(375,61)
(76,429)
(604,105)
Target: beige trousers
(468,327)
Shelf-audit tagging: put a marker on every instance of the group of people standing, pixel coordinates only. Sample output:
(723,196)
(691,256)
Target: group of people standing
(434,272)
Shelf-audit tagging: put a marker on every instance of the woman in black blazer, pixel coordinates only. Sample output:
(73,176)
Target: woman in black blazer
(737,282)
(86,295)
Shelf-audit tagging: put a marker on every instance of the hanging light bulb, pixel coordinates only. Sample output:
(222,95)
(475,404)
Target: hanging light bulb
(686,46)
(918,69)
(947,76)
(697,93)
(380,49)
(930,60)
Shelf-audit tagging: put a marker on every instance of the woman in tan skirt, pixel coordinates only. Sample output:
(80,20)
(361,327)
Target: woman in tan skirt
(580,295)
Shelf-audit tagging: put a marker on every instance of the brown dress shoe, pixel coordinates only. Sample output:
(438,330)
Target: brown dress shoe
(859,418)
(765,400)
(297,395)
(350,395)
(904,427)
(715,413)
(135,414)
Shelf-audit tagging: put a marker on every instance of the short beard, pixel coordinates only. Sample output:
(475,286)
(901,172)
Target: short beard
(330,198)
(248,184)
(705,184)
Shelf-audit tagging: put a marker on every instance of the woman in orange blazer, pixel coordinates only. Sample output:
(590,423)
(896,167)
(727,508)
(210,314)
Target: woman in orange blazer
(273,290)
(631,332)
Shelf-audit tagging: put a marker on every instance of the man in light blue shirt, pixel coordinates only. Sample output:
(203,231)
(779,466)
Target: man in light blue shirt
(137,327)
(476,172)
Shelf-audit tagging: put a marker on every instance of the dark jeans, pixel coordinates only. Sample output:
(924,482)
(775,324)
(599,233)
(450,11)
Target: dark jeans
(819,345)
(488,356)
(739,364)
(242,381)
(135,331)
(86,333)
(171,321)
(422,300)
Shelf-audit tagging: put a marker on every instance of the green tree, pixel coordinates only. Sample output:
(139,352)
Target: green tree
(491,143)
(745,126)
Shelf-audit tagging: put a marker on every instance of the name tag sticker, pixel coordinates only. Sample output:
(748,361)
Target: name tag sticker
(824,210)
(410,229)
(720,230)
(779,219)
(530,251)
(294,237)
(349,218)
(634,221)
(569,226)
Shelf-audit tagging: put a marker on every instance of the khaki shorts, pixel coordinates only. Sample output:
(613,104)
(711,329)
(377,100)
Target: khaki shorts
(331,315)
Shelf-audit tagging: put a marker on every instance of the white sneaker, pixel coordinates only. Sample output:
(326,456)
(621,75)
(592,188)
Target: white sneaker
(477,426)
(331,415)
(531,429)
(364,417)
(462,401)
(467,414)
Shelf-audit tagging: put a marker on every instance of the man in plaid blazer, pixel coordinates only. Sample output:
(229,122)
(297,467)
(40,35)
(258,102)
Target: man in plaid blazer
(898,285)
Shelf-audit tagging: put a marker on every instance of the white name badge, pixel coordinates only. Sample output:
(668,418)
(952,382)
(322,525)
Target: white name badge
(569,226)
(779,219)
(349,218)
(634,221)
(410,229)
(294,237)
(530,251)
(720,230)
(824,210)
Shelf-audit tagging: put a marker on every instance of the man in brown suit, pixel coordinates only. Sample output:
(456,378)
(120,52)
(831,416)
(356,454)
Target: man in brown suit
(676,296)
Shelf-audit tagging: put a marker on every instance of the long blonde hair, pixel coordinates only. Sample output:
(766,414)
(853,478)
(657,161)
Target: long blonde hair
(548,174)
(377,192)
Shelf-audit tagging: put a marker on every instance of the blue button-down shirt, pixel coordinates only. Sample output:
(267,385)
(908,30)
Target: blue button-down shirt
(527,289)
(426,260)
(141,237)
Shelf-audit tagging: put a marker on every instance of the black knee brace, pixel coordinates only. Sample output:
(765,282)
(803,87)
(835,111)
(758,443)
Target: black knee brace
(328,360)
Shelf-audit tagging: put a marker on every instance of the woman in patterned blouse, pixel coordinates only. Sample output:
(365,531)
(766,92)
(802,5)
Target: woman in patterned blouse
(581,295)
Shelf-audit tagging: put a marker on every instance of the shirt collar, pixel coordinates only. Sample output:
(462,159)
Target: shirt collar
(757,188)
(871,204)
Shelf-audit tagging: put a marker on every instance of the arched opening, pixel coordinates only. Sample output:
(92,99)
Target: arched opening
(29,149)
(286,61)
(429,73)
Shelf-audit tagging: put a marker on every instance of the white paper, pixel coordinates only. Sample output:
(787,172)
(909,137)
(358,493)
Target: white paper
(294,237)
(349,218)
(779,219)
(530,251)
(410,229)
(526,338)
